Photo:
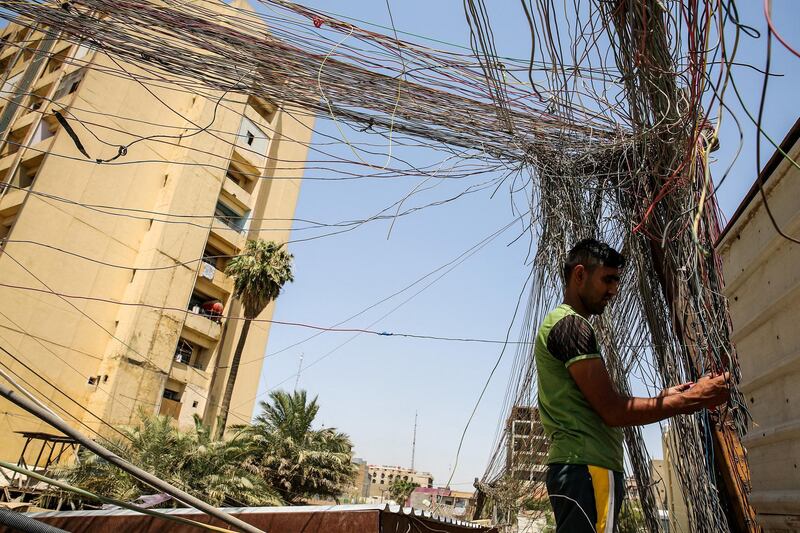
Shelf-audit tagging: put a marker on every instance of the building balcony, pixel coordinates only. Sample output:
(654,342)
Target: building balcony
(203,326)
(7,161)
(170,408)
(210,279)
(238,194)
(8,52)
(46,80)
(26,119)
(232,237)
(10,202)
(189,375)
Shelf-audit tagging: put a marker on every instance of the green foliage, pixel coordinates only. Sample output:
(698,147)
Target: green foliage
(401,489)
(631,518)
(297,460)
(214,470)
(259,273)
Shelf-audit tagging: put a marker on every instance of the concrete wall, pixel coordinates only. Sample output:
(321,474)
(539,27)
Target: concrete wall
(763,287)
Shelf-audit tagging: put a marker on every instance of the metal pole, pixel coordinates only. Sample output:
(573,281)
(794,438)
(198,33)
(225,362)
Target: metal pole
(114,459)
(414,442)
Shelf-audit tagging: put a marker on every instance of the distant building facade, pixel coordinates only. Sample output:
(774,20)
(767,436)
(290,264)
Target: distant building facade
(360,488)
(381,478)
(673,511)
(526,453)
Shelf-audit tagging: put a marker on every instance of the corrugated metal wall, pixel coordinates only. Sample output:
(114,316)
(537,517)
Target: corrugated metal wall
(762,275)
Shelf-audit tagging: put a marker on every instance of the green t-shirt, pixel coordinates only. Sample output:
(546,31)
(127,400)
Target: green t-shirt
(577,433)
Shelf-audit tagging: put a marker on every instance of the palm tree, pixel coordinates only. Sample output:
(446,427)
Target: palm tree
(259,273)
(214,470)
(298,461)
(401,489)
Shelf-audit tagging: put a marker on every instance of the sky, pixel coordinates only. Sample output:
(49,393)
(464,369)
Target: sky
(371,386)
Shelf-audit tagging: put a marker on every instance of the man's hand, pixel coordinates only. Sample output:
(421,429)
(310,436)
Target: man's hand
(591,377)
(709,392)
(677,389)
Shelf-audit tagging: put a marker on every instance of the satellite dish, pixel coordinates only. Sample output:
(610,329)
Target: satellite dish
(426,503)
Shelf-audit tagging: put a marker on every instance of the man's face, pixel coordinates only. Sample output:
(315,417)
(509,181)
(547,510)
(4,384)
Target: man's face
(597,287)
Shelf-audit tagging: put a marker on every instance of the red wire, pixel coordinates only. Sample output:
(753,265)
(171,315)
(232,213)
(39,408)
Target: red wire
(775,32)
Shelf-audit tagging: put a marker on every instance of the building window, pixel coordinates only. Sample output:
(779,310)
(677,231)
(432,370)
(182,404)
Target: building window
(43,132)
(252,138)
(28,170)
(215,258)
(173,395)
(11,84)
(184,351)
(206,306)
(83,50)
(232,219)
(69,84)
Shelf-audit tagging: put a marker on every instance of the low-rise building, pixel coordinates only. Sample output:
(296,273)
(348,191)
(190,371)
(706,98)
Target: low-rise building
(443,502)
(381,478)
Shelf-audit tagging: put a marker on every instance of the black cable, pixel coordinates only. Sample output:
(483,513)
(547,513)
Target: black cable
(760,179)
(20,522)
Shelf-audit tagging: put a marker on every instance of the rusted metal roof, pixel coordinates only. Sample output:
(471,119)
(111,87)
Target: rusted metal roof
(300,519)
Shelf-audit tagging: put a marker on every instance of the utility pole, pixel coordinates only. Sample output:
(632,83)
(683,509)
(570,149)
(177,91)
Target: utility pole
(414,441)
(299,370)
(639,23)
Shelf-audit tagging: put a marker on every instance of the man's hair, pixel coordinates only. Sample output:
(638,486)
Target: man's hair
(591,253)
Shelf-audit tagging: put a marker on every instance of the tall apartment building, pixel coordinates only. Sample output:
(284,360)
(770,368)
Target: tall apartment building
(381,478)
(119,262)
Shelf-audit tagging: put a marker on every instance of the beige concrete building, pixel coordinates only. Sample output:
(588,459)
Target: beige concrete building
(108,271)
(381,477)
(673,511)
(763,289)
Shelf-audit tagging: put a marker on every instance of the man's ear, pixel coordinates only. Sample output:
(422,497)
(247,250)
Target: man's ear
(579,273)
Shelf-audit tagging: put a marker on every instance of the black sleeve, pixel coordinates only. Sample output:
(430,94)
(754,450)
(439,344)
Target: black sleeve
(572,337)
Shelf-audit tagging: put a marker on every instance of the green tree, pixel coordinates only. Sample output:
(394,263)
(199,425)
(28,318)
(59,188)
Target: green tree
(259,273)
(631,519)
(297,460)
(214,470)
(401,489)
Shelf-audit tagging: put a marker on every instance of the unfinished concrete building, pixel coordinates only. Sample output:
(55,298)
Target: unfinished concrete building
(526,455)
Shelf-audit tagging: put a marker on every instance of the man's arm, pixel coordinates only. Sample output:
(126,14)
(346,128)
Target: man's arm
(592,379)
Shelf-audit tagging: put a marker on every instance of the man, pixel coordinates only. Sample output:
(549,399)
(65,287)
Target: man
(581,412)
